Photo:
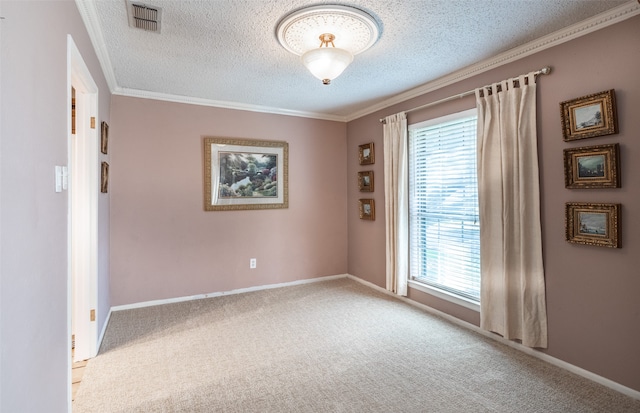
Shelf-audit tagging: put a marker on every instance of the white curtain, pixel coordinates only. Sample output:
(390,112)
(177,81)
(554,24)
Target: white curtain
(512,291)
(396,195)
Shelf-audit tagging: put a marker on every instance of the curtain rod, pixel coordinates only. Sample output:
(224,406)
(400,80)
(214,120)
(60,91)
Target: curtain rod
(544,71)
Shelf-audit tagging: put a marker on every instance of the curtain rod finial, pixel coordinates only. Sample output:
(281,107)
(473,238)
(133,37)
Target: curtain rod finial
(546,70)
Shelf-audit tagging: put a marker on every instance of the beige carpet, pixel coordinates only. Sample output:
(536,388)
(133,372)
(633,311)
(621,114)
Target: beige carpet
(332,346)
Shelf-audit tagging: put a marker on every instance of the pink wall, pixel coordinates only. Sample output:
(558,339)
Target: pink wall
(34,361)
(592,292)
(163,243)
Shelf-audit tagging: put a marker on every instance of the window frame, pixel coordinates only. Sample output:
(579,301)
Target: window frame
(416,283)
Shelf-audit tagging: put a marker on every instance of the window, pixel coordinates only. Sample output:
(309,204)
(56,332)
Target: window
(444,230)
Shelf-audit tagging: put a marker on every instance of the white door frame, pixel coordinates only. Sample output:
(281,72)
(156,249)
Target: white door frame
(82,219)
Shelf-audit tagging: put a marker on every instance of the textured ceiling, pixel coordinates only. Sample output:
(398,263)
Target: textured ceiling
(225,52)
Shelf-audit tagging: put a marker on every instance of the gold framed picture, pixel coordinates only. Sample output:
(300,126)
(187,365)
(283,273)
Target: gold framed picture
(242,174)
(589,116)
(366,154)
(367,209)
(104,137)
(593,224)
(592,167)
(104,178)
(365,181)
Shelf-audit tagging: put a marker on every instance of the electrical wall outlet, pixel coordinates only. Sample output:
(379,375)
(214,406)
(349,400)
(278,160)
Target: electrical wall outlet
(252,263)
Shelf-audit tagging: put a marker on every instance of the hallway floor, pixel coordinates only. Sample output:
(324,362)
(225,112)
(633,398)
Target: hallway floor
(77,370)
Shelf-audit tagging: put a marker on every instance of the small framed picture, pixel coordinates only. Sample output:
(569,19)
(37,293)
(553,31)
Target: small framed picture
(593,224)
(592,167)
(104,137)
(104,178)
(366,154)
(589,116)
(365,181)
(367,209)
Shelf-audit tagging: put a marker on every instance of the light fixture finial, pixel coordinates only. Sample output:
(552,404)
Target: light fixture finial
(326,38)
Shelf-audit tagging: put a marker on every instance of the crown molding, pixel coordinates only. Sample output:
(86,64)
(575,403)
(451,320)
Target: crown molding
(144,94)
(89,16)
(598,22)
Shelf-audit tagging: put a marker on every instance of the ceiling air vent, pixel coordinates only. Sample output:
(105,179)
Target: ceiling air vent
(144,16)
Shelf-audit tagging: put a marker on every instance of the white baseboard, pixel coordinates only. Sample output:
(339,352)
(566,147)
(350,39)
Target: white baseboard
(532,352)
(219,294)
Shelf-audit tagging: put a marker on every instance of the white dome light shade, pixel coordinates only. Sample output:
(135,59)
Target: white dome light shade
(327,63)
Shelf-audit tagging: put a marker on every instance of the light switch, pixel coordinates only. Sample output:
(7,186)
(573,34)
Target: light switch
(65,178)
(62,178)
(58,178)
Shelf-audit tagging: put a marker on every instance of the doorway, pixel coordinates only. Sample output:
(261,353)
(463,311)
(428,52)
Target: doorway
(83,207)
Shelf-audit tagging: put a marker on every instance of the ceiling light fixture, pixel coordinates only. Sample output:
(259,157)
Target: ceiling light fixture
(352,29)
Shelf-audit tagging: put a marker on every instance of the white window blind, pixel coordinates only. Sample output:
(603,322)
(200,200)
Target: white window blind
(444,248)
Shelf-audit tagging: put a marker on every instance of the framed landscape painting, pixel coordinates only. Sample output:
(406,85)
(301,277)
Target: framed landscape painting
(365,181)
(366,154)
(104,178)
(589,116)
(367,209)
(593,224)
(242,174)
(104,138)
(592,167)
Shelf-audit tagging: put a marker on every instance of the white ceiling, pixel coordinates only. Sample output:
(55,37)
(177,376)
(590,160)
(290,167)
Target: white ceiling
(225,52)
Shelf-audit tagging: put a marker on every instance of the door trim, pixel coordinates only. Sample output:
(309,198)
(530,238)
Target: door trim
(82,217)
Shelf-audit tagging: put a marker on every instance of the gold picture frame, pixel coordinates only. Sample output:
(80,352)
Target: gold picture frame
(592,167)
(365,181)
(593,224)
(104,137)
(589,116)
(367,209)
(104,178)
(244,174)
(366,154)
